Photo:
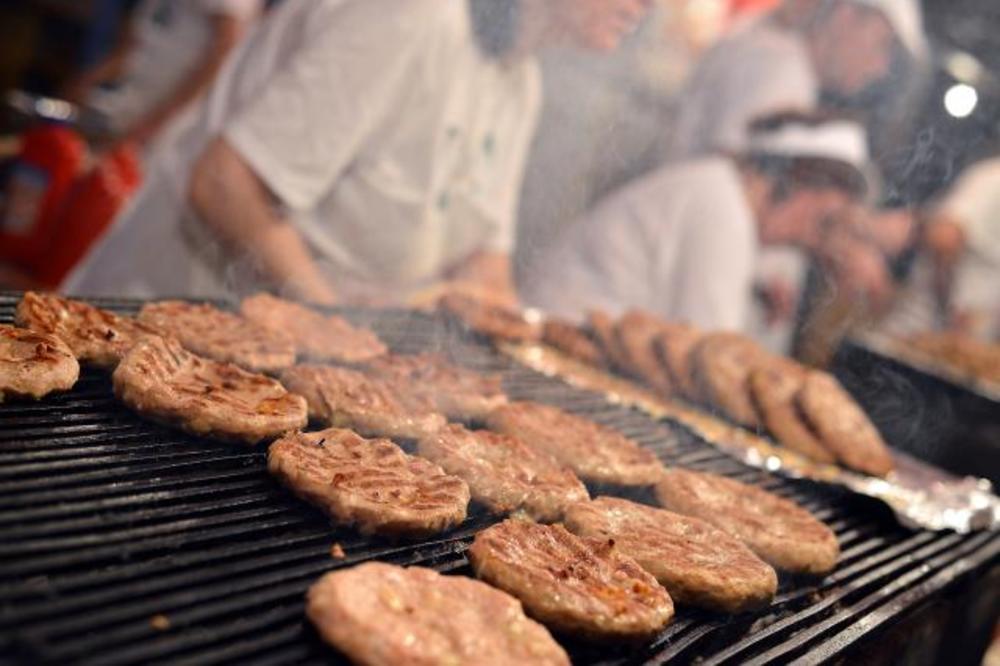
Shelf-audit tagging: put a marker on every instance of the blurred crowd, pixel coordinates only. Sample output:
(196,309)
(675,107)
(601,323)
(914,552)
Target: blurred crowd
(708,161)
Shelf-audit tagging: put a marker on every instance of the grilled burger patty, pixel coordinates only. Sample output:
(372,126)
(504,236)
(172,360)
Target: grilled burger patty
(221,336)
(572,341)
(369,482)
(351,399)
(456,392)
(722,363)
(34,364)
(779,531)
(699,564)
(635,332)
(774,388)
(491,319)
(383,615)
(571,584)
(672,346)
(161,380)
(317,337)
(97,337)
(594,452)
(842,426)
(503,473)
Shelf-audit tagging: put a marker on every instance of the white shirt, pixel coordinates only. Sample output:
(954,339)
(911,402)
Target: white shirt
(394,145)
(680,242)
(171,36)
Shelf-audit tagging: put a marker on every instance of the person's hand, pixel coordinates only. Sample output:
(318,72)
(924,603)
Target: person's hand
(858,269)
(944,241)
(779,299)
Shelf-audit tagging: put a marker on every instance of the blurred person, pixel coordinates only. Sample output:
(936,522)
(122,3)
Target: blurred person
(168,56)
(682,242)
(365,150)
(963,241)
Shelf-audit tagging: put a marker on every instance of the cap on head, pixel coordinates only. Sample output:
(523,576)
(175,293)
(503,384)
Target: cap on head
(835,139)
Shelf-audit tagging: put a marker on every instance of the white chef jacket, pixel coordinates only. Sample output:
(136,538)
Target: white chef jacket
(393,144)
(171,36)
(681,242)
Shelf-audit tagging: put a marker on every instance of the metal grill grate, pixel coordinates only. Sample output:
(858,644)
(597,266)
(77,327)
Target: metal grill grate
(109,522)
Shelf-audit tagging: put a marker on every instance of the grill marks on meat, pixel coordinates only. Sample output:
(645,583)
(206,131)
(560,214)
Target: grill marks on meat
(722,365)
(383,615)
(318,337)
(221,336)
(34,364)
(779,531)
(503,473)
(842,426)
(429,379)
(97,337)
(161,380)
(347,398)
(369,482)
(594,452)
(697,563)
(774,388)
(571,584)
(491,319)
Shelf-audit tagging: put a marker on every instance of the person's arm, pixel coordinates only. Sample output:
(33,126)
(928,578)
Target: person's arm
(233,202)
(226,33)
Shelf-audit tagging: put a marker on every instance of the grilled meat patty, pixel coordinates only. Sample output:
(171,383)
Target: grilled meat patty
(842,426)
(774,388)
(456,392)
(783,534)
(602,328)
(161,380)
(221,336)
(503,473)
(635,332)
(672,346)
(699,564)
(97,337)
(492,319)
(383,615)
(34,364)
(572,341)
(371,483)
(578,586)
(351,399)
(594,452)
(317,337)
(722,363)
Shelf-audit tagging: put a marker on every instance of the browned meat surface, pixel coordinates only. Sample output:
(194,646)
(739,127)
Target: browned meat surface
(594,452)
(371,483)
(699,564)
(34,364)
(579,586)
(635,332)
(351,399)
(782,533)
(430,379)
(163,381)
(573,341)
(316,336)
(722,364)
(221,336)
(774,388)
(842,426)
(383,615)
(672,347)
(503,473)
(97,337)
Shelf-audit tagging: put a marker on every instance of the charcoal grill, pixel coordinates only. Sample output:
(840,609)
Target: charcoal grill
(125,542)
